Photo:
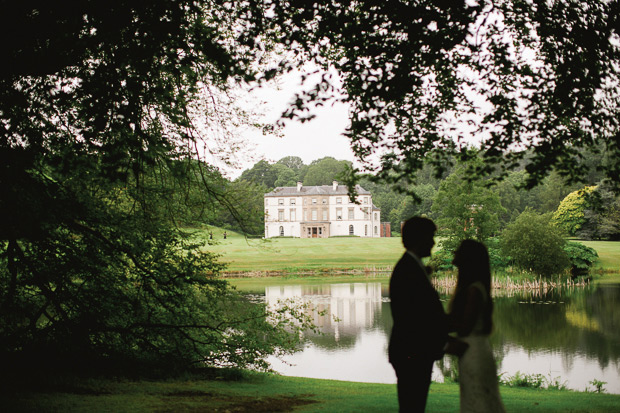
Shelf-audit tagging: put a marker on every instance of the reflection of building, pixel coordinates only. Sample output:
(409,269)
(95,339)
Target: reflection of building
(320,212)
(347,307)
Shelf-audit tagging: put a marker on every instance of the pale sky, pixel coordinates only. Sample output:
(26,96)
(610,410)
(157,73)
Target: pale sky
(310,140)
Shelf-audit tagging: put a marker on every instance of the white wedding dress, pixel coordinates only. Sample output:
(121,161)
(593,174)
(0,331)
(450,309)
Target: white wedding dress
(477,371)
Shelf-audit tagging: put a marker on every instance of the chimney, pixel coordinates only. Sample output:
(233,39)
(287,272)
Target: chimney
(299,185)
(335,185)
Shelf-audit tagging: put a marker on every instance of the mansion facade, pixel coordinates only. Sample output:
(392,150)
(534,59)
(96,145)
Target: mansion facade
(320,212)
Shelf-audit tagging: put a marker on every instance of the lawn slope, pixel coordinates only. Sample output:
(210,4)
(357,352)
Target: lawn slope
(270,393)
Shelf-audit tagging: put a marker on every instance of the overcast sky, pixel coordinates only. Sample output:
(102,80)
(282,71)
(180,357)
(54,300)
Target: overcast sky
(310,140)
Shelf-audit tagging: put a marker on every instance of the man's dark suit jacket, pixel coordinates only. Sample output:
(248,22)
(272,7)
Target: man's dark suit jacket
(420,327)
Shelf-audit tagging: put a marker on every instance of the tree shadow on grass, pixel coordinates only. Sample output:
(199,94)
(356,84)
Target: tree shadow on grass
(198,401)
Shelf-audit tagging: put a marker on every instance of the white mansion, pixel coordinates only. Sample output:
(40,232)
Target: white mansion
(320,212)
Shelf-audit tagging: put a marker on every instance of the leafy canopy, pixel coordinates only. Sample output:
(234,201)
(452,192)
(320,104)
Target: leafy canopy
(570,215)
(529,82)
(102,113)
(466,208)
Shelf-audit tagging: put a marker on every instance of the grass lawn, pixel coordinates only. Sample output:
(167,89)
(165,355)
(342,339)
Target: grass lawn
(270,393)
(608,252)
(296,254)
(346,253)
(607,268)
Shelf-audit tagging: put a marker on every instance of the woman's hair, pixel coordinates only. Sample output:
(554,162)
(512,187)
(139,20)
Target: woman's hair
(472,260)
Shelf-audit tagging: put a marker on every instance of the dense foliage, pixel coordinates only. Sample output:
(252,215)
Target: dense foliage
(534,82)
(99,145)
(602,216)
(581,257)
(534,244)
(570,215)
(466,209)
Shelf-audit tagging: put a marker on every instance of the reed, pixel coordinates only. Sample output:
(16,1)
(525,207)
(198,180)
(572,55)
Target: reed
(520,282)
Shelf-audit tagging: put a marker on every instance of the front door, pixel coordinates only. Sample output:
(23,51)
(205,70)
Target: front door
(314,232)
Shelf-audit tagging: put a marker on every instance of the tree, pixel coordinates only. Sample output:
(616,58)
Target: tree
(262,173)
(324,171)
(535,244)
(285,175)
(292,162)
(536,84)
(570,213)
(466,208)
(99,144)
(549,194)
(249,198)
(602,216)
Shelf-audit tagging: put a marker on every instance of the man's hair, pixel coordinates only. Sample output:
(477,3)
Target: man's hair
(416,228)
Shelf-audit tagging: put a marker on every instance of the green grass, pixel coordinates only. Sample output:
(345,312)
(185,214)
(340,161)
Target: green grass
(299,255)
(607,268)
(608,253)
(270,393)
(292,255)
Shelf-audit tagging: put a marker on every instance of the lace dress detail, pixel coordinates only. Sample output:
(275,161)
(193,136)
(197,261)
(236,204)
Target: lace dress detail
(477,370)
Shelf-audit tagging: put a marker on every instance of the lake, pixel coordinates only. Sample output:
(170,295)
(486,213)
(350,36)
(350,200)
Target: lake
(571,334)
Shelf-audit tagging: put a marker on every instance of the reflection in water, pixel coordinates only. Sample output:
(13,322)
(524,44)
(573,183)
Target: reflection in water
(342,311)
(572,334)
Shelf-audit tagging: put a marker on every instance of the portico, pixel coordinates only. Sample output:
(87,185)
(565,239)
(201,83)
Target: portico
(315,229)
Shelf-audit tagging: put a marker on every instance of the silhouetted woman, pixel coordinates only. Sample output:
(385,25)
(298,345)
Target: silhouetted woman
(471,311)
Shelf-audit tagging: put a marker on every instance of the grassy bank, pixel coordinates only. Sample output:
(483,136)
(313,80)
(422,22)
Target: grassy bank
(608,252)
(345,254)
(269,393)
(307,255)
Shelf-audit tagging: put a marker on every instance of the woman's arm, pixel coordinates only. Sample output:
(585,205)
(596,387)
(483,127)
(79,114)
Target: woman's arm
(470,310)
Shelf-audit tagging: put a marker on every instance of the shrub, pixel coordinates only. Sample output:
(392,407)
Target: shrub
(534,244)
(497,259)
(570,215)
(581,258)
(441,260)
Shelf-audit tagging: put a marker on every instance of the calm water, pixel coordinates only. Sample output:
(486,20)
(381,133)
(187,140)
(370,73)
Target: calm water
(573,334)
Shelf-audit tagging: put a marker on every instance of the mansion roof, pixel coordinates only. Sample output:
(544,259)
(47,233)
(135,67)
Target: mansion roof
(315,190)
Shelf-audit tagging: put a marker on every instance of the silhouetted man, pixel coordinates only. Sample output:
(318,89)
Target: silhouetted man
(420,330)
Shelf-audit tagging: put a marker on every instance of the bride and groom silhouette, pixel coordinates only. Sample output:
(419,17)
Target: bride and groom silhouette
(421,330)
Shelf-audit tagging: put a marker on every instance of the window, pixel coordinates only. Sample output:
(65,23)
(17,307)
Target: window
(339,213)
(366,214)
(313,201)
(366,200)
(266,202)
(310,232)
(305,201)
(281,231)
(281,215)
(293,215)
(350,229)
(351,214)
(280,201)
(324,214)
(375,216)
(320,230)
(314,214)
(293,201)
(339,200)
(365,230)
(376,230)
(305,214)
